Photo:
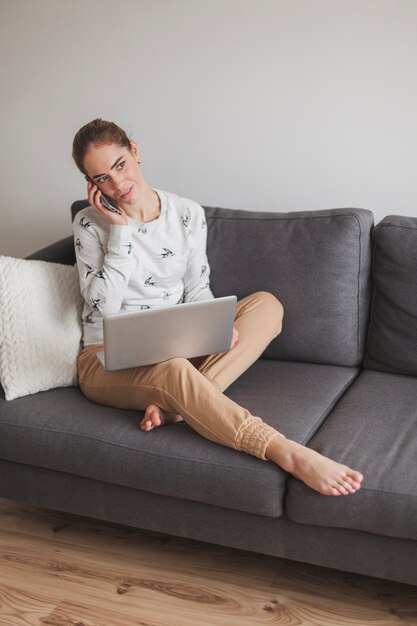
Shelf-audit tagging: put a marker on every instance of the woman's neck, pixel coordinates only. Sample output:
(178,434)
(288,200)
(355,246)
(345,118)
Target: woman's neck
(149,208)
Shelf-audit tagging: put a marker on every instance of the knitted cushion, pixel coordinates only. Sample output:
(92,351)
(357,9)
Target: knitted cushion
(40,326)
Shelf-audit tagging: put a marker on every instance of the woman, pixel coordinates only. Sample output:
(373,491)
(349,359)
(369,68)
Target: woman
(154,253)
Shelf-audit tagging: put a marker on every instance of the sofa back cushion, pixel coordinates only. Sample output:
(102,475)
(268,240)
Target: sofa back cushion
(317,263)
(61,251)
(392,340)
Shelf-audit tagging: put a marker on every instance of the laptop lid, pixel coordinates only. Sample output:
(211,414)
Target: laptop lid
(154,335)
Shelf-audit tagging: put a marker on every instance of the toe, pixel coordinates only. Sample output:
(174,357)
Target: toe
(146,424)
(355,476)
(352,479)
(340,486)
(152,415)
(349,487)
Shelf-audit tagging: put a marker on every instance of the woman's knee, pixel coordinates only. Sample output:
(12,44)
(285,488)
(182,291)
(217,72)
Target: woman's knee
(274,307)
(176,378)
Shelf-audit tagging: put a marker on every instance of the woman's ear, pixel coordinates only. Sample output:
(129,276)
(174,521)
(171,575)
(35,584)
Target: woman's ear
(134,148)
(135,151)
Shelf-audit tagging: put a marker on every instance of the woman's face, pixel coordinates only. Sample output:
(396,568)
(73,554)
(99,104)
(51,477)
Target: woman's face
(116,172)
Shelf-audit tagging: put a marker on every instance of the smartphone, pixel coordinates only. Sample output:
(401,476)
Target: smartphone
(106,201)
(109,204)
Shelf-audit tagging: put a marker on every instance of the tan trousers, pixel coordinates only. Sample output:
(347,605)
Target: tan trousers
(194,387)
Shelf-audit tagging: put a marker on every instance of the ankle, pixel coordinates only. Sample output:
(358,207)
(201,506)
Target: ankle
(281,451)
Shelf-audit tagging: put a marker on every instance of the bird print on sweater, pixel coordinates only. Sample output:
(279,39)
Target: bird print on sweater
(185,217)
(96,301)
(84,223)
(90,269)
(167,253)
(149,282)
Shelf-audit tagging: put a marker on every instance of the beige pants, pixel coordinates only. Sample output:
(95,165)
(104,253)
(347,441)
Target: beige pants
(194,387)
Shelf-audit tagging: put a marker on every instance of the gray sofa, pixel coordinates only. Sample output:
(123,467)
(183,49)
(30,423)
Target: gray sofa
(341,378)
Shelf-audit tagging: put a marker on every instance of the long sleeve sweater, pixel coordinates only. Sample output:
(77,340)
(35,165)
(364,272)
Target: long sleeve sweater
(141,265)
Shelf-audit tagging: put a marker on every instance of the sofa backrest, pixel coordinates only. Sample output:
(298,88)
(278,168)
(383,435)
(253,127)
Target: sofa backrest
(61,251)
(392,340)
(317,263)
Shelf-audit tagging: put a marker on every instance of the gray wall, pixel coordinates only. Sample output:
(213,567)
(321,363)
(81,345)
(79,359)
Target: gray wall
(254,104)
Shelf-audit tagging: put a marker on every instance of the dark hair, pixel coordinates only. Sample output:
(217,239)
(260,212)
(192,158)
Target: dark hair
(95,132)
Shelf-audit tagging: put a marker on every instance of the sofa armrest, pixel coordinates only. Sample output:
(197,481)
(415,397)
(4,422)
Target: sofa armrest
(61,251)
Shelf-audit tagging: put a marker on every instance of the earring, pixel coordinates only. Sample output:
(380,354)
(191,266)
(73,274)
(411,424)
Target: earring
(140,161)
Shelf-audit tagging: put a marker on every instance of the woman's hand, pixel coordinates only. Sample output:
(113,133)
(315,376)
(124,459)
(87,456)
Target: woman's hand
(94,194)
(235,337)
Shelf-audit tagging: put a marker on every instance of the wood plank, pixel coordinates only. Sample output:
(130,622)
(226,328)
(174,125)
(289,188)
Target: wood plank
(61,569)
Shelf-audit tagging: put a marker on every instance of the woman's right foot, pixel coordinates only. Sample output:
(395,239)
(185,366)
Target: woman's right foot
(155,416)
(315,470)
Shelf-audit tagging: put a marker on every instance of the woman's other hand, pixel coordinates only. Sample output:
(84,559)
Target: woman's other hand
(94,194)
(235,337)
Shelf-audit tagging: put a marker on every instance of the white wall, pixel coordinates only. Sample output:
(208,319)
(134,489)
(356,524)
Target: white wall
(274,105)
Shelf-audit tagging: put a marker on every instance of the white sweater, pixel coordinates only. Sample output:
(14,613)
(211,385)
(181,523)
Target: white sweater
(141,265)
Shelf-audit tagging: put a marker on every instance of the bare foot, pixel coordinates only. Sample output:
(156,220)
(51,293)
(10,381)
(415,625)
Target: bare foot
(155,416)
(315,470)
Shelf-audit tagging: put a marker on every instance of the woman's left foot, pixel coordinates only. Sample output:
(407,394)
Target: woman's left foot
(155,416)
(322,474)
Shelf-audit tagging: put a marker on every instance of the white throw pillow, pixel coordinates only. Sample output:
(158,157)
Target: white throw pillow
(40,326)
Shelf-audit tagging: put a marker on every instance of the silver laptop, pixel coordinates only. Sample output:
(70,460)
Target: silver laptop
(155,335)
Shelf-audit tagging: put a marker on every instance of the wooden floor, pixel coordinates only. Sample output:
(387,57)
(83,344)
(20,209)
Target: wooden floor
(58,569)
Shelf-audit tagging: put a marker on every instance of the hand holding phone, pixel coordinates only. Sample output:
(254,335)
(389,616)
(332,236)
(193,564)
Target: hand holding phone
(105,205)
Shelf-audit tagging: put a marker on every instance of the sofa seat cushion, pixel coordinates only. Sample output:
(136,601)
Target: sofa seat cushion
(372,429)
(62,430)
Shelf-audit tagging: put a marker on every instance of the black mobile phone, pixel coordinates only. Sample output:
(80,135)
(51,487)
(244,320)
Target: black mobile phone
(107,202)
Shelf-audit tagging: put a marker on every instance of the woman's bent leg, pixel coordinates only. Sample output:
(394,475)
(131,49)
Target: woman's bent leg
(258,320)
(176,386)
